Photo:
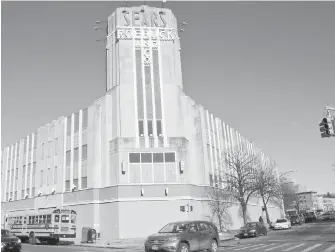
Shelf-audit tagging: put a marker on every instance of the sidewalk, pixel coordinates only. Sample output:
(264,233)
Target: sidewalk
(137,243)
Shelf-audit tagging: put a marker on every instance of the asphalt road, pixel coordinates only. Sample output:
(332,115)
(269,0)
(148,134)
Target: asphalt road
(314,237)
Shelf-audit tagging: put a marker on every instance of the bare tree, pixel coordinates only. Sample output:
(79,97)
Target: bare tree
(219,202)
(239,176)
(268,186)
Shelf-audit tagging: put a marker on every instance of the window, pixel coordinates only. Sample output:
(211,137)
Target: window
(158,157)
(84,152)
(85,118)
(84,182)
(68,124)
(28,192)
(48,219)
(75,182)
(67,185)
(140,128)
(48,176)
(76,154)
(134,157)
(56,218)
(68,157)
(55,175)
(56,146)
(170,157)
(65,219)
(159,127)
(150,129)
(41,178)
(73,218)
(76,122)
(42,151)
(146,157)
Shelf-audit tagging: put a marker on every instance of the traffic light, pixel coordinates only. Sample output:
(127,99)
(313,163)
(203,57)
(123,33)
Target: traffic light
(327,127)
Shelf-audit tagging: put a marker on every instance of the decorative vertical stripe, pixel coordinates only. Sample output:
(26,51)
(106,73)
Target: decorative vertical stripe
(156,84)
(64,155)
(218,146)
(210,143)
(139,84)
(153,103)
(80,143)
(161,84)
(72,150)
(143,81)
(136,100)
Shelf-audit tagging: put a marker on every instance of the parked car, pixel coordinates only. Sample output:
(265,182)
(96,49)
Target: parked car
(253,229)
(282,224)
(185,236)
(296,219)
(308,217)
(9,242)
(325,216)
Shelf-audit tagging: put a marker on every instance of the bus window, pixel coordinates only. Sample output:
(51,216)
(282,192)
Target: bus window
(40,219)
(57,218)
(44,218)
(24,220)
(73,218)
(65,219)
(36,219)
(48,218)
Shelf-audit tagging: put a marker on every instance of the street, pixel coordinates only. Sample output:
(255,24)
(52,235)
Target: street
(314,237)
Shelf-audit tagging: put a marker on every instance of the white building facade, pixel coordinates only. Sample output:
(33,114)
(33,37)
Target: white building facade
(135,156)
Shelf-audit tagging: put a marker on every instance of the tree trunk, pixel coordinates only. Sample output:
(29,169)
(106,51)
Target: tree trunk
(244,212)
(220,222)
(266,211)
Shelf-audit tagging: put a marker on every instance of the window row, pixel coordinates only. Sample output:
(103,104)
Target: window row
(76,154)
(76,121)
(75,183)
(147,157)
(150,128)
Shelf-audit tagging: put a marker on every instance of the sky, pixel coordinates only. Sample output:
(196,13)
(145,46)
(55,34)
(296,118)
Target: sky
(265,68)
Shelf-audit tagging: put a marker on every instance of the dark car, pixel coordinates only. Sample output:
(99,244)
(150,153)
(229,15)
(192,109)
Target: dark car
(296,219)
(325,216)
(308,217)
(9,242)
(184,236)
(253,229)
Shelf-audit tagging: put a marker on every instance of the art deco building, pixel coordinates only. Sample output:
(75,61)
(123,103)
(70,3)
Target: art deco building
(135,156)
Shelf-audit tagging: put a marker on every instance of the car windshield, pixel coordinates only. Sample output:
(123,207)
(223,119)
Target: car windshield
(174,228)
(250,225)
(294,217)
(281,221)
(5,233)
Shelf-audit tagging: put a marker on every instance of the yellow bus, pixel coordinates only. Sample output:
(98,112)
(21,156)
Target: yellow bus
(46,225)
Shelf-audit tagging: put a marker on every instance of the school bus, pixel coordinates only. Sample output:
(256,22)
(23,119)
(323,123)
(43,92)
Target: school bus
(46,225)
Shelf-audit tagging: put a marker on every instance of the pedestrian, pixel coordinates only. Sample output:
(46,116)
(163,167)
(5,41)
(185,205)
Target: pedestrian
(261,219)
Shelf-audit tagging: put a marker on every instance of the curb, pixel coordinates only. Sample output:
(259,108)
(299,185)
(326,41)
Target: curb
(107,246)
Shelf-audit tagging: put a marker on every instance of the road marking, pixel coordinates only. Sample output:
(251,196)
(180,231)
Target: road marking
(289,249)
(263,246)
(283,245)
(248,247)
(310,248)
(330,249)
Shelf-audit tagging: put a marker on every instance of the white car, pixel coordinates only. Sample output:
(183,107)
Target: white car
(282,224)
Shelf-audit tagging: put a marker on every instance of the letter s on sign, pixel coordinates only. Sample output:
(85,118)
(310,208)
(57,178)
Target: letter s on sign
(162,17)
(126,17)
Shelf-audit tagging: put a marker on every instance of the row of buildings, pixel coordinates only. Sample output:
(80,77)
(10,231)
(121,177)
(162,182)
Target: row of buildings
(311,200)
(135,156)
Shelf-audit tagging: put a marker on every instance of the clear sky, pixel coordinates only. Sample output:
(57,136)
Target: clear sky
(265,68)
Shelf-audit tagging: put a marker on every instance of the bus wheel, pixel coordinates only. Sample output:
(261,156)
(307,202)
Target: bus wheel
(32,238)
(53,241)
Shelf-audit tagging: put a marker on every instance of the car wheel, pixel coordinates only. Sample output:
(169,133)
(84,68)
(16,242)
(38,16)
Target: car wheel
(183,247)
(214,246)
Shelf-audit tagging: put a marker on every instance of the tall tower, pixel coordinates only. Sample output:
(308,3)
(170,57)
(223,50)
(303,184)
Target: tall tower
(144,71)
